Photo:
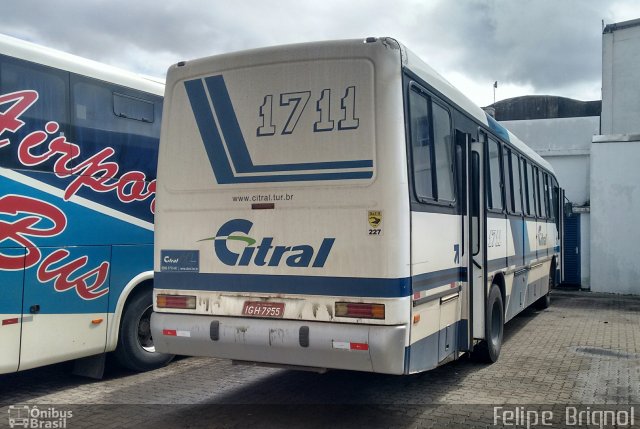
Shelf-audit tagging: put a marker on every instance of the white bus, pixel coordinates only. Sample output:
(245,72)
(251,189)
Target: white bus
(341,205)
(78,150)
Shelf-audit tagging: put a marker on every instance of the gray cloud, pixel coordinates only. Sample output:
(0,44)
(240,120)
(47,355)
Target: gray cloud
(546,44)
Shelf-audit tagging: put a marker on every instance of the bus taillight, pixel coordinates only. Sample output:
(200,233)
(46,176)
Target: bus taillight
(359,310)
(176,301)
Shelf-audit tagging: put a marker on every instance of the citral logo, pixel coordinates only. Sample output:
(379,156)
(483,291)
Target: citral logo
(302,255)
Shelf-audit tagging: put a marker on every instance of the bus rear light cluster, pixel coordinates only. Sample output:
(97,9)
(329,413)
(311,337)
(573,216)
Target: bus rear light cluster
(359,310)
(187,302)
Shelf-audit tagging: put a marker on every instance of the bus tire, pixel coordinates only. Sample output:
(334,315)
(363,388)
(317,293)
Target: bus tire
(488,350)
(135,349)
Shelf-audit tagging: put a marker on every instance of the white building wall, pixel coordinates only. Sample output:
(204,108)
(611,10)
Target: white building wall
(615,155)
(566,143)
(620,72)
(615,209)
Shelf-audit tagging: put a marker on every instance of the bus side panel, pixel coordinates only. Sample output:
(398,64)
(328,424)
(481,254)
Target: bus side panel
(11,283)
(516,300)
(496,244)
(67,278)
(127,261)
(78,176)
(65,305)
(535,260)
(437,285)
(515,282)
(531,241)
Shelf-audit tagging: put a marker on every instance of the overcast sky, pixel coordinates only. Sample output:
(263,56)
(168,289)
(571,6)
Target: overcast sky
(529,47)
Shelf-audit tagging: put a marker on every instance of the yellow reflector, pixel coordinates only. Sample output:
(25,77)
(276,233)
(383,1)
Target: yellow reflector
(359,310)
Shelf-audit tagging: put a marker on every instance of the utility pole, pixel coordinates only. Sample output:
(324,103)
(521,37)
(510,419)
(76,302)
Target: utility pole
(495,85)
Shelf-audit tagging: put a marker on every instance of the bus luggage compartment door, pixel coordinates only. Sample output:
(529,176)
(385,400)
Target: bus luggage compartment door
(65,305)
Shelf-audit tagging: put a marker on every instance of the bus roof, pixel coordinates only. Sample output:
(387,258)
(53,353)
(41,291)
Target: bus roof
(61,60)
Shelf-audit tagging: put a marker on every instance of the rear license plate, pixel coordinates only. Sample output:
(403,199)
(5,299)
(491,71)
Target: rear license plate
(263,309)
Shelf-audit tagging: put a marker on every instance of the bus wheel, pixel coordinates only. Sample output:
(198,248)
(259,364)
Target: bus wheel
(489,349)
(135,349)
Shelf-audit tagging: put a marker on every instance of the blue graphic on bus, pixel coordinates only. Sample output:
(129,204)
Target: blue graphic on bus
(301,255)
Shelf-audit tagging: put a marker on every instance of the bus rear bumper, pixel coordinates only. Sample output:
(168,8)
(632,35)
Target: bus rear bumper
(371,348)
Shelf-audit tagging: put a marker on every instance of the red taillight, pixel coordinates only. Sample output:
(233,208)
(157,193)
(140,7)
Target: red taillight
(176,301)
(360,310)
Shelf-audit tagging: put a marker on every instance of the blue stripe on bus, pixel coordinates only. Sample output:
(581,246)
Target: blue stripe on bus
(309,285)
(208,131)
(240,157)
(304,285)
(496,264)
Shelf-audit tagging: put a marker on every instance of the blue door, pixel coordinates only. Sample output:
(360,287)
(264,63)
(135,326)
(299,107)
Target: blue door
(572,249)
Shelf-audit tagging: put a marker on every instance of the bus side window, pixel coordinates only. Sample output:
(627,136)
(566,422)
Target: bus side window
(531,191)
(494,184)
(475,202)
(548,197)
(508,185)
(556,204)
(542,209)
(421,147)
(517,189)
(108,116)
(442,139)
(525,190)
(431,149)
(50,106)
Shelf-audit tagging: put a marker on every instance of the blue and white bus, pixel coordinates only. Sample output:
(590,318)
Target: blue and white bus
(341,205)
(78,154)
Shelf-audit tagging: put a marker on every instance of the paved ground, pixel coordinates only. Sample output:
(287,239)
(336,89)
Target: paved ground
(584,351)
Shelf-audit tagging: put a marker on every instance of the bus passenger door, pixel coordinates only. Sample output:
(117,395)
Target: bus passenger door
(477,224)
(463,142)
(66,297)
